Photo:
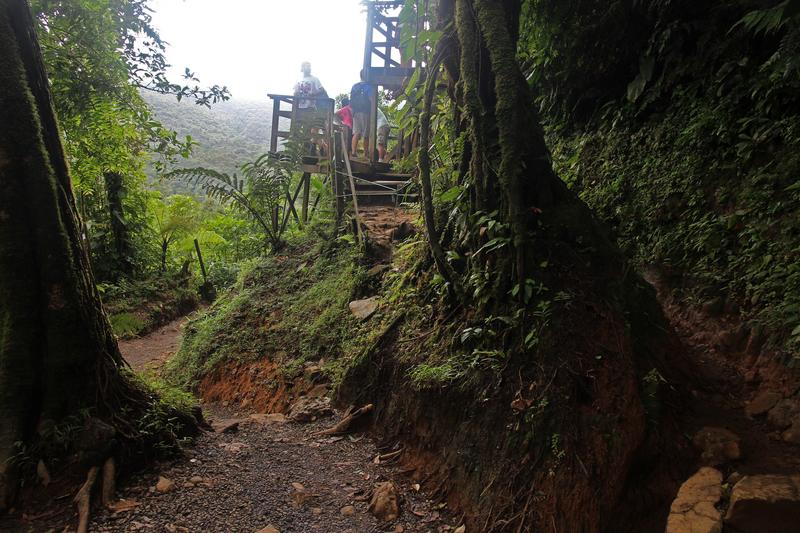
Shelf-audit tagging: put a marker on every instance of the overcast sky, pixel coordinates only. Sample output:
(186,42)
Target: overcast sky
(255,47)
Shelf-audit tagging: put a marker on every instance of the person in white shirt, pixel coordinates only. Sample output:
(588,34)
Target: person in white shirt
(382,127)
(306,105)
(309,86)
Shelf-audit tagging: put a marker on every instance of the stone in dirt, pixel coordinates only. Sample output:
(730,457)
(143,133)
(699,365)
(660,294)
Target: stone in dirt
(385,505)
(765,504)
(310,409)
(784,412)
(693,510)
(762,403)
(227,425)
(793,433)
(164,485)
(348,510)
(403,231)
(318,391)
(717,445)
(269,529)
(378,270)
(299,495)
(268,418)
(363,309)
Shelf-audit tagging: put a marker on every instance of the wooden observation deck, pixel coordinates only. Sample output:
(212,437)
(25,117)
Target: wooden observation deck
(363,180)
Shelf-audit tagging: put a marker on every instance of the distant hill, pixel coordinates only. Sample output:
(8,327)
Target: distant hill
(230,133)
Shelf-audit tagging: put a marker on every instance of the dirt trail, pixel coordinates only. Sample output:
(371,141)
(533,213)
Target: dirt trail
(247,479)
(154,349)
(721,390)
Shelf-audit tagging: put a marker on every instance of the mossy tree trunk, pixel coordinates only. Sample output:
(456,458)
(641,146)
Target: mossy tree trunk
(57,352)
(123,251)
(509,167)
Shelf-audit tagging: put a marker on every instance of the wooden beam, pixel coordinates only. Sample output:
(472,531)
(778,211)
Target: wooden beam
(306,192)
(355,194)
(273,134)
(389,62)
(368,43)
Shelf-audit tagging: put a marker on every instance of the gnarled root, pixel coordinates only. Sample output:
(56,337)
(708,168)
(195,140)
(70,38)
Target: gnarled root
(345,425)
(109,475)
(83,500)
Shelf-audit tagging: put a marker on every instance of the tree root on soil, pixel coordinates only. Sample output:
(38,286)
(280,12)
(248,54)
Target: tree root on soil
(83,498)
(346,424)
(109,475)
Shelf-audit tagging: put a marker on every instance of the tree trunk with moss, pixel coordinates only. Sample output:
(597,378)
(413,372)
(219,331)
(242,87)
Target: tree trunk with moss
(58,355)
(509,166)
(123,250)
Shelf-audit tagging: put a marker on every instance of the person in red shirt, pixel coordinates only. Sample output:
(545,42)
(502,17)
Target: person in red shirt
(345,113)
(345,116)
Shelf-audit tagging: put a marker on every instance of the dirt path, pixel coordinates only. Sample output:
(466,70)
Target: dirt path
(154,349)
(275,474)
(248,475)
(721,392)
(248,479)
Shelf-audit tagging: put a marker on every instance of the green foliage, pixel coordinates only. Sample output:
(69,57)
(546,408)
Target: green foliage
(137,307)
(164,423)
(291,308)
(98,56)
(692,158)
(267,186)
(126,324)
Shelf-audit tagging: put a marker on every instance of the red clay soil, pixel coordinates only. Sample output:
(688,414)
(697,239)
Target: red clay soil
(382,222)
(731,368)
(259,386)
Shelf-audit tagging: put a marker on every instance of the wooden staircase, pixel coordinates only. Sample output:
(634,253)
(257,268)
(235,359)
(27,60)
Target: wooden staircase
(376,184)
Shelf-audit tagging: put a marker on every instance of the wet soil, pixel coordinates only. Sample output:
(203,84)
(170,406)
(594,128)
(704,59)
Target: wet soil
(721,390)
(153,350)
(249,481)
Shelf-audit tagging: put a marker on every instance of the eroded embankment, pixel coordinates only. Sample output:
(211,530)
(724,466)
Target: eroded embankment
(573,436)
(567,432)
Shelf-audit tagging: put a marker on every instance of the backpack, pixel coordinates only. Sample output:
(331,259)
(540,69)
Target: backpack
(360,97)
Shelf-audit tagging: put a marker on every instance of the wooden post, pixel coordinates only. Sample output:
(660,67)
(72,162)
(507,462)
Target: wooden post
(355,196)
(373,123)
(200,259)
(341,151)
(368,42)
(306,192)
(276,116)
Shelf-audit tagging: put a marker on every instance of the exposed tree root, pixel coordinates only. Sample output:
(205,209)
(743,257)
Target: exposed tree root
(390,456)
(83,500)
(345,425)
(109,475)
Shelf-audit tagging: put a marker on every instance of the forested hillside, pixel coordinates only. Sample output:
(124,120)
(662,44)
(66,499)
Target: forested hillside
(228,134)
(685,141)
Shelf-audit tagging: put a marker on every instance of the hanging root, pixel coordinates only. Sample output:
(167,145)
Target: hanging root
(109,475)
(346,424)
(83,500)
(424,164)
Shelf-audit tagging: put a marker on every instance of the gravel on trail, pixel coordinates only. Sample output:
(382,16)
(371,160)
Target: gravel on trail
(277,475)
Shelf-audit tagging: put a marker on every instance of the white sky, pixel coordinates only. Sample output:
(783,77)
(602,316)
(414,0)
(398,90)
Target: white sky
(255,47)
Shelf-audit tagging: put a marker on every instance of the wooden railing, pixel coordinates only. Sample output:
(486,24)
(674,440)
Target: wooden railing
(324,105)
